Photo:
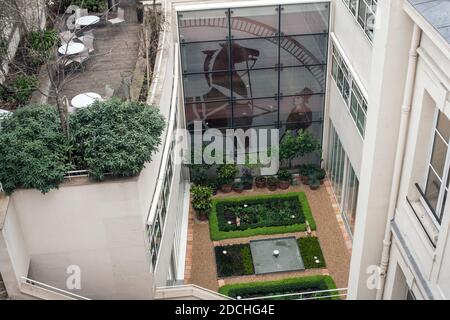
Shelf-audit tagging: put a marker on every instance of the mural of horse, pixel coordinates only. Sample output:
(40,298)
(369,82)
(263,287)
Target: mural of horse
(217,114)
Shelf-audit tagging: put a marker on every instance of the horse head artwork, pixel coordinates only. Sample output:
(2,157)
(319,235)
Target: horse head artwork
(217,114)
(301,115)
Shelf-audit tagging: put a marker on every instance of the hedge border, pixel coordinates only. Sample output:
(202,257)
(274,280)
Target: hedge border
(328,280)
(217,235)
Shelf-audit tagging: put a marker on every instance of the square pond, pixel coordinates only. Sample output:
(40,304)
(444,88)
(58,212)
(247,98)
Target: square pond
(288,259)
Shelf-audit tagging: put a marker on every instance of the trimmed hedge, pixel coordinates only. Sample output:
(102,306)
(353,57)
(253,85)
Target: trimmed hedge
(268,212)
(310,248)
(285,286)
(217,234)
(236,262)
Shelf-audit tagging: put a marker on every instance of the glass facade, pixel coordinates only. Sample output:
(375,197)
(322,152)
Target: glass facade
(343,180)
(255,67)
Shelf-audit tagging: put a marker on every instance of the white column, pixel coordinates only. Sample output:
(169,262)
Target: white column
(389,69)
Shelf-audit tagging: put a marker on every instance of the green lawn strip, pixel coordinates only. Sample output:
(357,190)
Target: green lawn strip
(309,249)
(217,234)
(279,287)
(237,261)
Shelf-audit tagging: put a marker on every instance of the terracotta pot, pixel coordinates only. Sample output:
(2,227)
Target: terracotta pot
(322,181)
(314,186)
(202,215)
(305,179)
(272,188)
(226,188)
(238,190)
(284,184)
(260,184)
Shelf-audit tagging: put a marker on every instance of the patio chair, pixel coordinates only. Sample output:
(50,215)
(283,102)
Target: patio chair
(77,60)
(89,34)
(109,92)
(67,36)
(71,9)
(88,43)
(66,102)
(120,17)
(70,23)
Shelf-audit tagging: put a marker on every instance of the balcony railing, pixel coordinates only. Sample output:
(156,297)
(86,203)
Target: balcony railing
(340,293)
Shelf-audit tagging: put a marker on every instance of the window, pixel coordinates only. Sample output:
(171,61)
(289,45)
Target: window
(256,66)
(364,11)
(343,180)
(350,91)
(438,175)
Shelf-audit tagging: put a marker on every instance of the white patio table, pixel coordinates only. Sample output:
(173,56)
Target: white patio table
(84,100)
(87,20)
(71,48)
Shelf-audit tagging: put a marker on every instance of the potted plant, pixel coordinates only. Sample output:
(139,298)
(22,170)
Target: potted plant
(247,180)
(305,172)
(238,187)
(285,178)
(225,176)
(260,182)
(320,174)
(201,201)
(272,183)
(314,183)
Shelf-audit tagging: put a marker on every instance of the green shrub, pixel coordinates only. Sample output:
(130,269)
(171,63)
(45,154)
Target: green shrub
(201,198)
(284,175)
(235,232)
(115,137)
(43,40)
(236,262)
(33,152)
(20,89)
(91,5)
(279,287)
(311,251)
(226,173)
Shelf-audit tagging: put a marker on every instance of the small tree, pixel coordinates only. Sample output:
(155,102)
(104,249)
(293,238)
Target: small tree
(201,200)
(33,152)
(115,137)
(297,145)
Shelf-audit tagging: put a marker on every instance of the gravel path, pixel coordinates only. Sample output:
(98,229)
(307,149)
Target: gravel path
(329,232)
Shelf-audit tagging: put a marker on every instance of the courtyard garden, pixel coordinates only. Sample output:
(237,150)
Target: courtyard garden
(263,240)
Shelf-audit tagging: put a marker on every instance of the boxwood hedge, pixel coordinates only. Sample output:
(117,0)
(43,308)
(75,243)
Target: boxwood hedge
(299,225)
(280,287)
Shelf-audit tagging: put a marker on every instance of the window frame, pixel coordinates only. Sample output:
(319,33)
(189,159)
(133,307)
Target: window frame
(444,188)
(355,6)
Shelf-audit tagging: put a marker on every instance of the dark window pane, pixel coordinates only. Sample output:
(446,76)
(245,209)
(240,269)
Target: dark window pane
(205,56)
(255,83)
(254,22)
(254,53)
(207,86)
(293,81)
(255,112)
(438,156)
(203,25)
(432,189)
(212,114)
(443,126)
(303,50)
(304,109)
(304,18)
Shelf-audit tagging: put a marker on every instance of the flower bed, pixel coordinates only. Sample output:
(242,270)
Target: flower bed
(311,253)
(281,287)
(258,215)
(234,260)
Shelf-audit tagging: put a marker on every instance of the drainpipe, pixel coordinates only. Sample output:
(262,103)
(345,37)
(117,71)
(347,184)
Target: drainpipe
(401,144)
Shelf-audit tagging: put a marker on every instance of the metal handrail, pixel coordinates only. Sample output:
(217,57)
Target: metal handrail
(190,286)
(304,293)
(52,289)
